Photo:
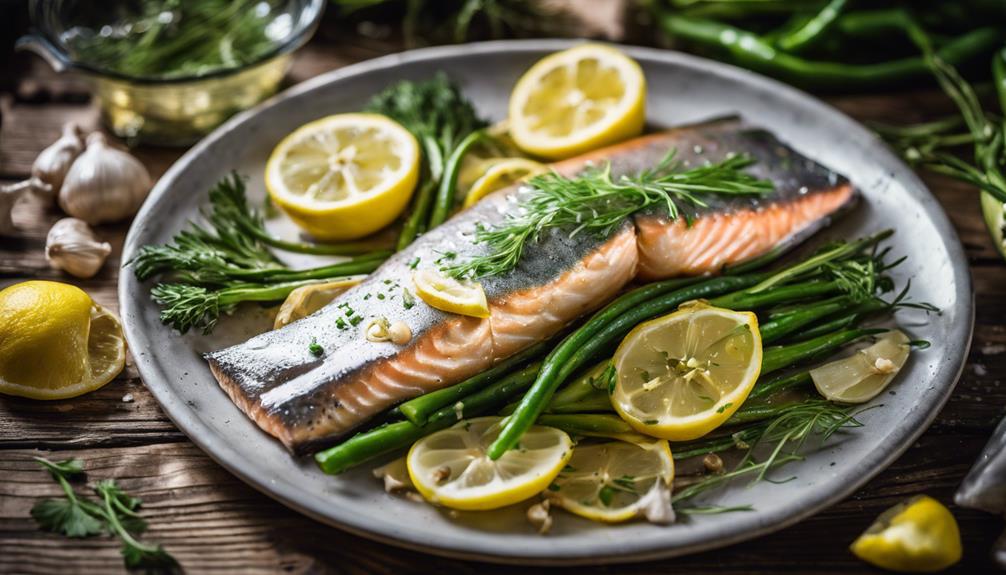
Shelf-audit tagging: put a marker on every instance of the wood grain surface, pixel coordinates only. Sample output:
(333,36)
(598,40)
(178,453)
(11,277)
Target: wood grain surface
(212,522)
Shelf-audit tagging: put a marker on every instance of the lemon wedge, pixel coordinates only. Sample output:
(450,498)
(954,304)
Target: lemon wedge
(344,176)
(451,467)
(862,376)
(308,299)
(577,100)
(448,294)
(499,174)
(682,375)
(617,481)
(919,535)
(55,342)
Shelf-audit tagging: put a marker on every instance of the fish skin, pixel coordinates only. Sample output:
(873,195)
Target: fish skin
(308,402)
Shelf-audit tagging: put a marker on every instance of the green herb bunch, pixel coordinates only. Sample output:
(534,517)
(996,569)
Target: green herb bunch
(115,513)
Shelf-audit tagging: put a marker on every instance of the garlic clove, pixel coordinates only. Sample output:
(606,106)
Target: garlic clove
(10,195)
(72,246)
(52,164)
(104,184)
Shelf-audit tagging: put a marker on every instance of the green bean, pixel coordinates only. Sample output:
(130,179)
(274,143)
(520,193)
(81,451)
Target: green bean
(580,346)
(446,195)
(419,409)
(752,51)
(395,436)
(777,385)
(598,425)
(999,77)
(596,401)
(419,211)
(813,29)
(582,386)
(850,318)
(745,300)
(781,326)
(778,357)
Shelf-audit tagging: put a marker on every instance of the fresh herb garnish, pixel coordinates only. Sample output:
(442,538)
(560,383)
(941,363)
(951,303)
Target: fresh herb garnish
(408,300)
(597,202)
(724,407)
(315,348)
(77,516)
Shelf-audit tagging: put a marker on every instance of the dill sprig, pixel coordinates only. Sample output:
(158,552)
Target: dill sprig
(597,202)
(783,437)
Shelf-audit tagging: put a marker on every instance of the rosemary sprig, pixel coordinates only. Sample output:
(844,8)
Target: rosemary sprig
(784,436)
(597,202)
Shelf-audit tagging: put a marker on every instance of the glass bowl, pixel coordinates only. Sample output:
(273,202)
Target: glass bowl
(168,109)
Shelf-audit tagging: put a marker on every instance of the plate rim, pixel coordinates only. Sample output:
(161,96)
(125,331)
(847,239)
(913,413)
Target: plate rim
(155,379)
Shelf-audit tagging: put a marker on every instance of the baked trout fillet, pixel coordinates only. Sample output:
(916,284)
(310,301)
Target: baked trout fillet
(307,401)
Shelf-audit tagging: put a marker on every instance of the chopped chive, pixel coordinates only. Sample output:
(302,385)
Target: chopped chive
(315,349)
(724,407)
(408,300)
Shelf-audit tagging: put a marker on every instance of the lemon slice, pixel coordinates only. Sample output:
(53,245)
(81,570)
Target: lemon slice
(862,376)
(451,295)
(617,481)
(916,536)
(682,375)
(451,467)
(55,342)
(499,174)
(577,100)
(344,176)
(308,299)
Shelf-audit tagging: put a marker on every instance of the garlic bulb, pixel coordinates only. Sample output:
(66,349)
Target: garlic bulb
(9,196)
(104,184)
(54,162)
(71,246)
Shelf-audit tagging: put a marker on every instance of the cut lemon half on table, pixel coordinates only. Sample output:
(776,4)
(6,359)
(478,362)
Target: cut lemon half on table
(451,467)
(344,176)
(55,342)
(499,174)
(863,375)
(448,294)
(682,375)
(617,481)
(917,536)
(577,100)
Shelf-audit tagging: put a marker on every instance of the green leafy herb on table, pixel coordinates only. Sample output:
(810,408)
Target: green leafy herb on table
(115,513)
(597,202)
(171,39)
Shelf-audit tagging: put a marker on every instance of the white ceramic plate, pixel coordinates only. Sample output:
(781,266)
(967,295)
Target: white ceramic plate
(681,89)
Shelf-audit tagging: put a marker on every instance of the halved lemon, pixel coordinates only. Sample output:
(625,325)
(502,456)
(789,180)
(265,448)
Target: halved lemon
(863,375)
(451,467)
(344,176)
(577,100)
(682,375)
(919,535)
(617,481)
(55,342)
(499,174)
(448,294)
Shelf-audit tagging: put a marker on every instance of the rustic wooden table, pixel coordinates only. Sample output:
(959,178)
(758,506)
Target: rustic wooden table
(211,521)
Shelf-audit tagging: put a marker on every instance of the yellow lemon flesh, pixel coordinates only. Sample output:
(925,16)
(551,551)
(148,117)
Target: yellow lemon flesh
(55,342)
(682,375)
(863,375)
(500,174)
(617,481)
(448,294)
(344,176)
(917,536)
(451,467)
(577,100)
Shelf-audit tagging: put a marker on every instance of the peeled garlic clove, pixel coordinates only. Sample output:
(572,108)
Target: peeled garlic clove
(104,184)
(53,163)
(71,246)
